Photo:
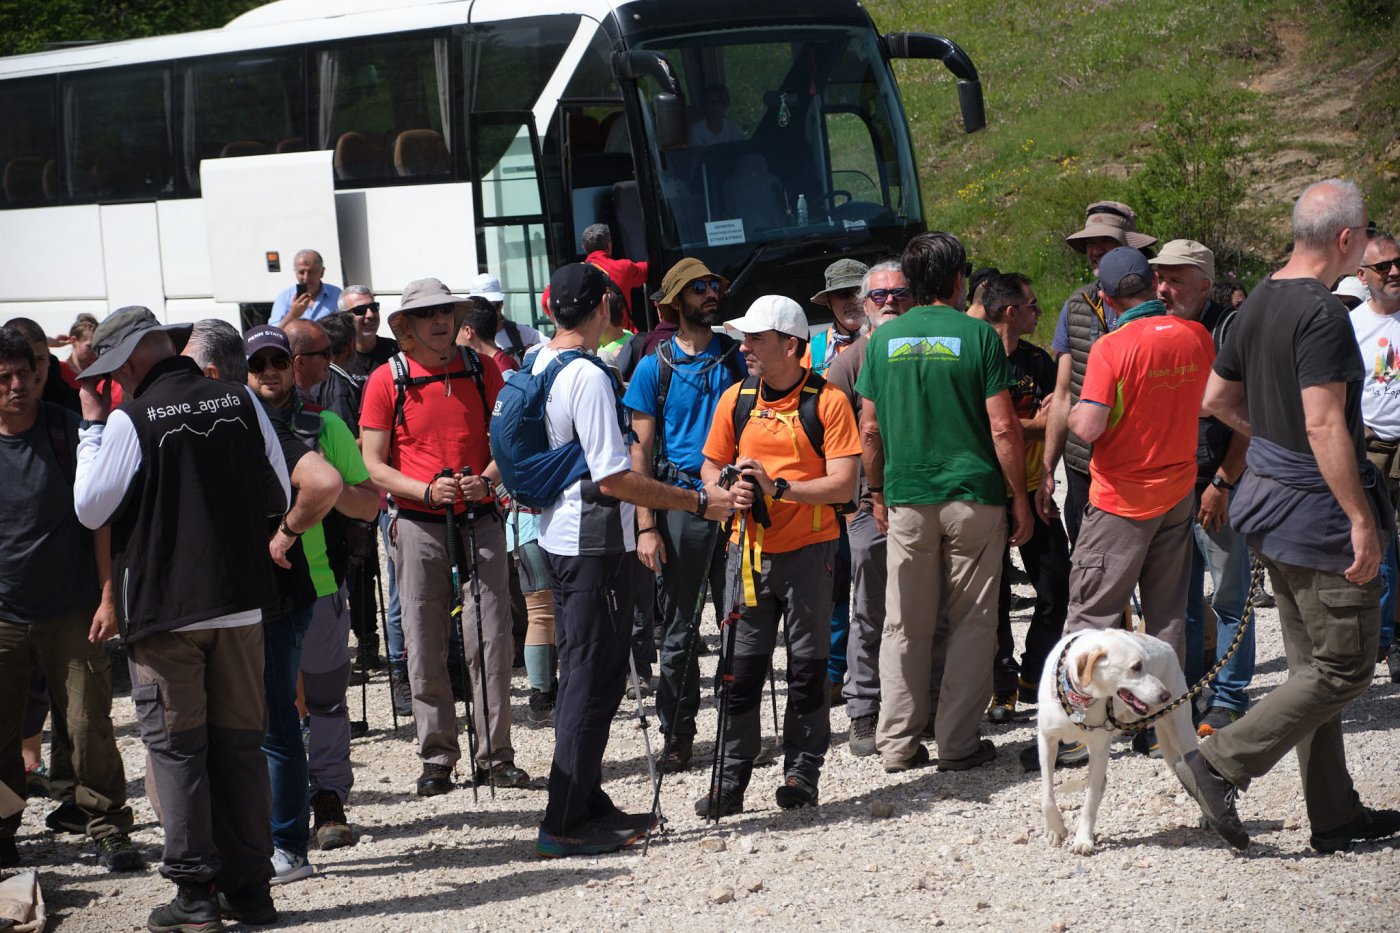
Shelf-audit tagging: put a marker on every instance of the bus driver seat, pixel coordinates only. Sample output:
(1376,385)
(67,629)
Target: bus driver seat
(755,194)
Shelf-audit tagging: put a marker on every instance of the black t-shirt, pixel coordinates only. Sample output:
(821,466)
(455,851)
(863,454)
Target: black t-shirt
(294,587)
(46,557)
(1034,373)
(1289,335)
(362,364)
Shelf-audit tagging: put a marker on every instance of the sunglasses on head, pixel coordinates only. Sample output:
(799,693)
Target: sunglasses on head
(279,361)
(368,306)
(1383,267)
(701,286)
(424,314)
(882,295)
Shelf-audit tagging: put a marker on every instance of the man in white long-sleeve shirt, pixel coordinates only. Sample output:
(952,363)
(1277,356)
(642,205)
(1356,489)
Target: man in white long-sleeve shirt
(187,472)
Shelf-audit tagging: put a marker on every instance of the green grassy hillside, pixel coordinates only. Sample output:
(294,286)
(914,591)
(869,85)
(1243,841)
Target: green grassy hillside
(1206,117)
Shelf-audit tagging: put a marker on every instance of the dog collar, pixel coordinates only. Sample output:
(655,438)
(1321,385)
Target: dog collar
(1075,698)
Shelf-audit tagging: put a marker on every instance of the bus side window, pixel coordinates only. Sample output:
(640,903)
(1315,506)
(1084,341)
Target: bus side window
(29,143)
(118,128)
(242,105)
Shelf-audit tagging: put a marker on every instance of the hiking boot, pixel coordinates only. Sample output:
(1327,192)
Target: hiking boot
(1215,796)
(330,827)
(287,867)
(195,909)
(505,773)
(593,837)
(541,709)
(1069,755)
(36,780)
(251,905)
(116,853)
(795,792)
(1394,662)
(436,779)
(1215,719)
(862,742)
(1027,693)
(367,656)
(726,803)
(643,822)
(67,818)
(1145,743)
(1371,824)
(1003,708)
(675,757)
(986,751)
(9,852)
(836,697)
(400,693)
(918,760)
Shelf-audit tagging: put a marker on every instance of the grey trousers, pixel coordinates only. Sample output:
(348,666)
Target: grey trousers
(425,594)
(1115,555)
(325,675)
(798,584)
(868,578)
(694,553)
(1331,629)
(203,716)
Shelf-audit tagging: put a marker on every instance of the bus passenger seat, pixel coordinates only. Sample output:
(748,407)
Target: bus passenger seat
(755,194)
(361,157)
(24,180)
(585,133)
(242,147)
(51,190)
(291,144)
(421,152)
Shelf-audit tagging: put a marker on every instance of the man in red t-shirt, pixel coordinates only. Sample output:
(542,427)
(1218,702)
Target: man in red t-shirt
(442,423)
(625,274)
(1138,407)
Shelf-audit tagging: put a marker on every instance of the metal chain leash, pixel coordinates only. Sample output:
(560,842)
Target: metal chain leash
(1256,590)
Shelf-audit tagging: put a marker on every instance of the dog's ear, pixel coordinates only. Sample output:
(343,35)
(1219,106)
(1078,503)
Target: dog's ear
(1084,665)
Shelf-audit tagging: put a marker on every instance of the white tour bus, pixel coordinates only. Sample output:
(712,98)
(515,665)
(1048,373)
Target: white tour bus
(404,138)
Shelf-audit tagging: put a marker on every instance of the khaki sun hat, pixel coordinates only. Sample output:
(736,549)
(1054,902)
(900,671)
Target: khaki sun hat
(682,274)
(427,293)
(1186,253)
(116,338)
(840,275)
(1112,219)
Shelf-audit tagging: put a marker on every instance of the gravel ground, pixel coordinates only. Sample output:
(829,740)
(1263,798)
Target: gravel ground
(882,851)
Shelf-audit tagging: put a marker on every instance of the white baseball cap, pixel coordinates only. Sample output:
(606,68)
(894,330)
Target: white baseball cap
(773,312)
(486,286)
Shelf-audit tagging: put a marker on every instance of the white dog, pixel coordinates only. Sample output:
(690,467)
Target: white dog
(1140,675)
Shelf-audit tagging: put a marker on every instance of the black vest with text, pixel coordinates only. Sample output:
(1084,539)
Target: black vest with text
(189,541)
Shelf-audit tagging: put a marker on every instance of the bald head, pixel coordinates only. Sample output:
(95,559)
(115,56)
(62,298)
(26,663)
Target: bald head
(304,335)
(1324,210)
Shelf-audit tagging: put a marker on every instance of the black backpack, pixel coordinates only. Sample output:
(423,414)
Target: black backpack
(807,414)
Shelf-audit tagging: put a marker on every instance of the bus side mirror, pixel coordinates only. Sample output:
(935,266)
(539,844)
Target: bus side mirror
(630,66)
(668,117)
(926,45)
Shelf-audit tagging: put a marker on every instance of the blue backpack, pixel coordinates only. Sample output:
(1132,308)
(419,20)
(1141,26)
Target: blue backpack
(535,475)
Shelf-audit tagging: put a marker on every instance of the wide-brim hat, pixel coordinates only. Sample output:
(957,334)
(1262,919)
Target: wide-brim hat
(427,293)
(682,274)
(1112,219)
(840,275)
(116,338)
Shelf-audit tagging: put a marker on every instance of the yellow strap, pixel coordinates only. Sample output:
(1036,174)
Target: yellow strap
(752,562)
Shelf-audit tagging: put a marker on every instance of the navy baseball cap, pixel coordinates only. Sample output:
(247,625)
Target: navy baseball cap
(265,337)
(1117,265)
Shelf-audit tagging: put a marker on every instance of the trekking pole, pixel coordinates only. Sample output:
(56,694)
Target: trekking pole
(454,557)
(360,594)
(646,743)
(384,628)
(480,650)
(728,627)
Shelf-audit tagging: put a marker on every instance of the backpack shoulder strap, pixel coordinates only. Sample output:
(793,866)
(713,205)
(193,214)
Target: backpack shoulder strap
(400,368)
(744,405)
(733,359)
(517,346)
(472,361)
(809,416)
(58,440)
(665,366)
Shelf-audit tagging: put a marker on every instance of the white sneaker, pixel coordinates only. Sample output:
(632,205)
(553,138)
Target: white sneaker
(288,867)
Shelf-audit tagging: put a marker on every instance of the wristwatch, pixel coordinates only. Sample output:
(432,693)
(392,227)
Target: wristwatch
(1220,482)
(780,488)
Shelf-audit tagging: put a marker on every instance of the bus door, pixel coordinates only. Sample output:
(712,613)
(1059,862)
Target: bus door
(510,208)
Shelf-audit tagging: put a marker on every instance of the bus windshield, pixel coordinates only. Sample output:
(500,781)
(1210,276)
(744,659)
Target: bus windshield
(792,133)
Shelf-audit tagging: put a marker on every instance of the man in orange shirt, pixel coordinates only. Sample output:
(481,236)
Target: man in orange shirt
(795,437)
(1138,407)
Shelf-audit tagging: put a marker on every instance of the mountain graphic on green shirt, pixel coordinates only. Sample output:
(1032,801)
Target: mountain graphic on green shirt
(903,348)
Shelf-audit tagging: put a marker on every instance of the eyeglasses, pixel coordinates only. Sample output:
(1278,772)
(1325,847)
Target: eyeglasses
(882,295)
(424,314)
(368,306)
(1383,267)
(324,352)
(701,286)
(279,361)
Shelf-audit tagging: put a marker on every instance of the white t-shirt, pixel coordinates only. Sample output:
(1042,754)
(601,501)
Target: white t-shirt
(1378,335)
(528,336)
(702,135)
(584,521)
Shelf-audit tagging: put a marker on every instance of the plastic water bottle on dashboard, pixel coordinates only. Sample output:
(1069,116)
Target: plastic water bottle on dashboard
(802,210)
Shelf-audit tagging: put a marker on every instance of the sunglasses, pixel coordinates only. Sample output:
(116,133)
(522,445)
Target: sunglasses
(1383,267)
(369,306)
(425,314)
(882,295)
(279,361)
(701,286)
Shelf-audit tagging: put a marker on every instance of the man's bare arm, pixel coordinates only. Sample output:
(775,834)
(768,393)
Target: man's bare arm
(1224,399)
(1333,447)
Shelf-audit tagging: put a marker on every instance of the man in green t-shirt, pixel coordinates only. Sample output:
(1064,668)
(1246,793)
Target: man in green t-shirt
(941,444)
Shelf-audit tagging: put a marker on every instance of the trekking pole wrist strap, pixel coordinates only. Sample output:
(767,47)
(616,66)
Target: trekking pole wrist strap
(428,495)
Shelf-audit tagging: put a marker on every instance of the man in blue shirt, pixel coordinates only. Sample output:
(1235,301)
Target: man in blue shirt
(313,302)
(695,366)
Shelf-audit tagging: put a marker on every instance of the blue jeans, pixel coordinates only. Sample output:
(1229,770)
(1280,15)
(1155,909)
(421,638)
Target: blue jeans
(1390,570)
(283,633)
(1225,555)
(394,637)
(840,609)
